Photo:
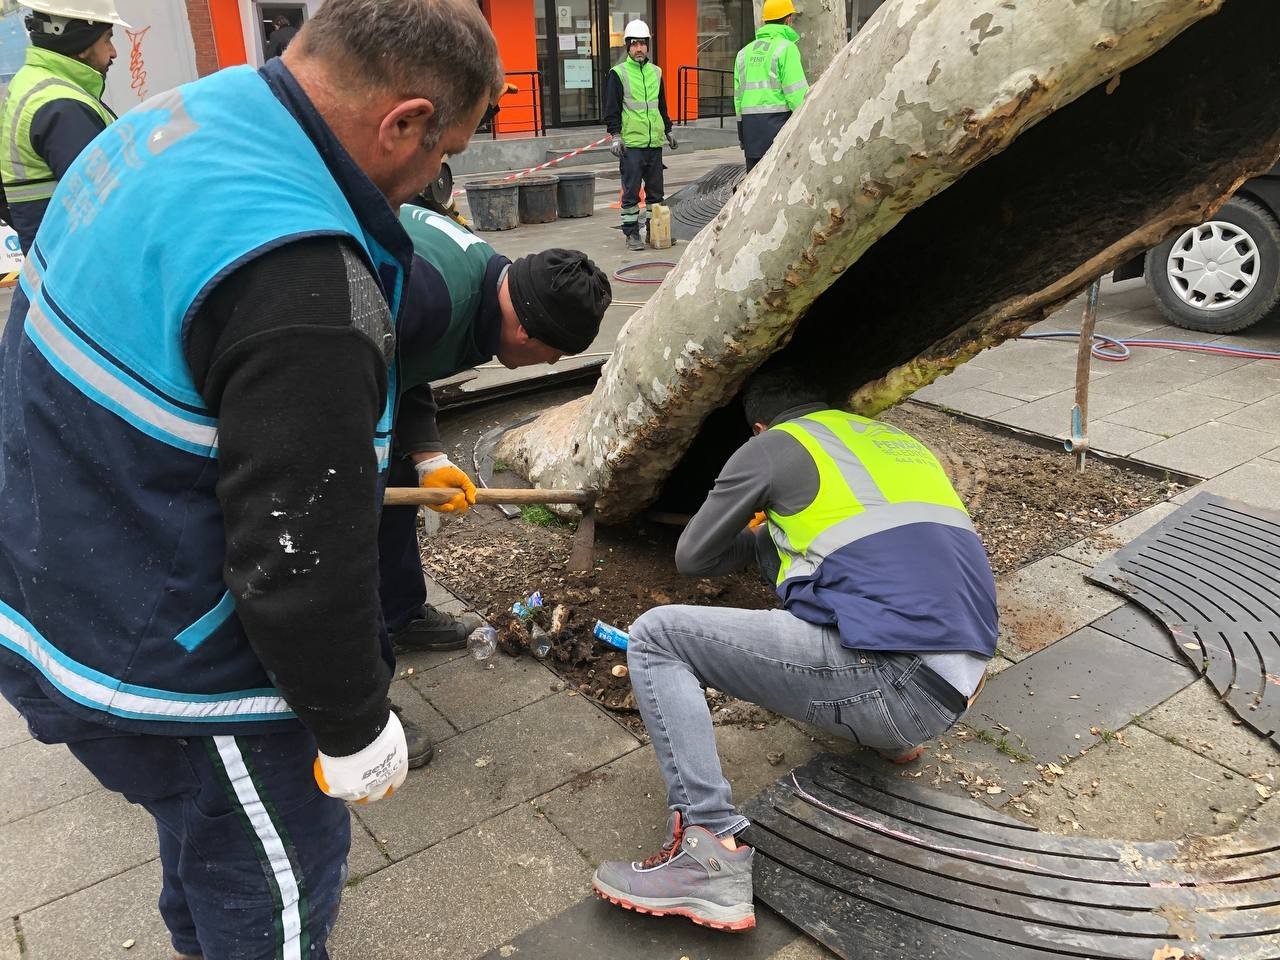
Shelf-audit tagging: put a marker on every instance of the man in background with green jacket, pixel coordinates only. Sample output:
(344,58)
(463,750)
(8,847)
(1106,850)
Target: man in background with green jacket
(768,80)
(635,112)
(54,106)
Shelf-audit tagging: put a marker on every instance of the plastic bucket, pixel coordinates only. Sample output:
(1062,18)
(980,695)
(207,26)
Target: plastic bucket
(493,205)
(538,199)
(576,194)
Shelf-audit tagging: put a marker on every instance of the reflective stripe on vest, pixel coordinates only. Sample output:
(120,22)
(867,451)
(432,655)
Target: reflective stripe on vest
(758,91)
(872,477)
(642,124)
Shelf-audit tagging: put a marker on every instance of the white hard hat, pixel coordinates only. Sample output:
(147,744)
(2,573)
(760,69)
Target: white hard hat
(637,29)
(99,11)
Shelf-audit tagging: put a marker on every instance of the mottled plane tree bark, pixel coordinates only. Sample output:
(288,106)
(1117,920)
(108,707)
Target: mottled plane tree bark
(960,170)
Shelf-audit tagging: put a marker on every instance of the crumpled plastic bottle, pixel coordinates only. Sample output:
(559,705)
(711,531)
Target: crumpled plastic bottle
(482,642)
(539,642)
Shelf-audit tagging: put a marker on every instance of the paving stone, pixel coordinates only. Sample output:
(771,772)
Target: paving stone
(1051,416)
(1043,602)
(1121,441)
(1256,482)
(1129,385)
(802,948)
(1114,682)
(1202,365)
(1092,550)
(365,856)
(998,664)
(35,776)
(963,377)
(69,847)
(8,938)
(94,923)
(407,697)
(1199,721)
(1134,625)
(13,729)
(1137,778)
(521,755)
(973,401)
(1171,413)
(1263,416)
(1248,383)
(464,896)
(1209,449)
(468,693)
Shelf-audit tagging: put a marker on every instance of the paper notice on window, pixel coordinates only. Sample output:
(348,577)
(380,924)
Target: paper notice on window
(567,42)
(577,74)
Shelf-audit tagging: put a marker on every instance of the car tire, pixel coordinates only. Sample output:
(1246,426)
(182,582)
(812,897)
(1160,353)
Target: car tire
(1244,294)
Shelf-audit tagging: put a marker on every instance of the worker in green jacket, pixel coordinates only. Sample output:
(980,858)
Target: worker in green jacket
(635,113)
(768,80)
(54,106)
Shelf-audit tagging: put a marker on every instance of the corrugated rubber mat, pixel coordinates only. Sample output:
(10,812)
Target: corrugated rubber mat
(1210,572)
(875,865)
(696,205)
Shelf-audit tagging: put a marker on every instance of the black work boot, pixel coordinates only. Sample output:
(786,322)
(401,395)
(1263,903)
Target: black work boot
(431,631)
(417,744)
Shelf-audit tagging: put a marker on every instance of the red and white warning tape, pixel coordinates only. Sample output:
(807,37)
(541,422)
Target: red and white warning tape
(542,166)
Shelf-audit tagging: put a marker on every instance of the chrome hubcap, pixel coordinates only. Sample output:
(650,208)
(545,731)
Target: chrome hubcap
(1213,266)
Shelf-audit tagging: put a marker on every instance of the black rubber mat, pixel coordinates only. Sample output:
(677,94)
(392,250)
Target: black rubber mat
(1210,572)
(875,865)
(696,205)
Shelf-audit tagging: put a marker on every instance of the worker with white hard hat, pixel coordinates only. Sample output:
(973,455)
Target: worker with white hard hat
(54,104)
(635,113)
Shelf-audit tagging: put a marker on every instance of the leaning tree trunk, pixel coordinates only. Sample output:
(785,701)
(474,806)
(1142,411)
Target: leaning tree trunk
(823,28)
(961,169)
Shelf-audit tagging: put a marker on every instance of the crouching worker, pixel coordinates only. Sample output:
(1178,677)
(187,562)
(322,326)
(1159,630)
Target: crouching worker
(888,621)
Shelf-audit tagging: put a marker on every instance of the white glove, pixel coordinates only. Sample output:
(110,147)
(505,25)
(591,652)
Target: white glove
(369,774)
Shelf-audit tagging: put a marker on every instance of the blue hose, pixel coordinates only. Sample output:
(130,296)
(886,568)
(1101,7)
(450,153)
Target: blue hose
(1117,350)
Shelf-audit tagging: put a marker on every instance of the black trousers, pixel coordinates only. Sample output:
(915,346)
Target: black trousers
(400,583)
(639,165)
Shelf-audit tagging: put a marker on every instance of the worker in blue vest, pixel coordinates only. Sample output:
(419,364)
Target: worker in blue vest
(768,80)
(635,113)
(888,621)
(197,388)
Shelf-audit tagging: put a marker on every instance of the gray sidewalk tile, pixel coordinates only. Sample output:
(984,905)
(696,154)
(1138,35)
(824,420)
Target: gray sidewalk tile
(1102,544)
(1249,383)
(1263,416)
(469,693)
(13,729)
(1128,385)
(1044,602)
(1199,721)
(1148,789)
(464,896)
(93,924)
(1173,413)
(69,847)
(973,401)
(970,374)
(1051,416)
(1209,449)
(407,697)
(1256,482)
(35,776)
(489,768)
(1028,386)
(1200,366)
(802,948)
(1263,336)
(365,856)
(1089,680)
(8,939)
(1134,625)
(1107,437)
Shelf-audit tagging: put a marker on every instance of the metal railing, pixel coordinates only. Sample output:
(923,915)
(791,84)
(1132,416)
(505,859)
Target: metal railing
(692,86)
(514,107)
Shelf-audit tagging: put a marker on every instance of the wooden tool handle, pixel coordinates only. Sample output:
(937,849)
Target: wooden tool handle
(409,496)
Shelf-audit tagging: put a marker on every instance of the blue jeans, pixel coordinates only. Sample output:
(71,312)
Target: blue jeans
(253,854)
(780,662)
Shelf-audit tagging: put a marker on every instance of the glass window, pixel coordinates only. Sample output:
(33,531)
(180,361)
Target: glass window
(724,28)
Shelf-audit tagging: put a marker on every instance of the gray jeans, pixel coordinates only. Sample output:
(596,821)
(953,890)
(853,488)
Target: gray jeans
(780,662)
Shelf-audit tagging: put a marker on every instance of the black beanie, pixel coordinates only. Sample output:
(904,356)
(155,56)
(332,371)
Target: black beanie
(77,35)
(560,297)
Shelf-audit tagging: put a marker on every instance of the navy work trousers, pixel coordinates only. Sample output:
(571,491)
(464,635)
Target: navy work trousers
(639,165)
(253,854)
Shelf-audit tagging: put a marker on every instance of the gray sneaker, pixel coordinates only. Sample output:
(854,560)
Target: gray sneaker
(634,242)
(693,876)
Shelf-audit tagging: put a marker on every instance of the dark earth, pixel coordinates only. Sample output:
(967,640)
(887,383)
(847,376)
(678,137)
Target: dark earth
(1027,502)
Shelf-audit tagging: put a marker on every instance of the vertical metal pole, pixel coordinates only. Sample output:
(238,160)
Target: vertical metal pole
(1079,442)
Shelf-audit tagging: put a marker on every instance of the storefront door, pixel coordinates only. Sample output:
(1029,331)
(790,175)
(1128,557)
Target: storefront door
(579,41)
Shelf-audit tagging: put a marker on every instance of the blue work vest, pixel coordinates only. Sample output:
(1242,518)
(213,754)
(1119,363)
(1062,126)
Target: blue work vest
(111,537)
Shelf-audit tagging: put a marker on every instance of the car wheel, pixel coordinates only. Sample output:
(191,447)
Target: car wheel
(1222,275)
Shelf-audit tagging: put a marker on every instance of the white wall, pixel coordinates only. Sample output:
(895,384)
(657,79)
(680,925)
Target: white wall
(155,54)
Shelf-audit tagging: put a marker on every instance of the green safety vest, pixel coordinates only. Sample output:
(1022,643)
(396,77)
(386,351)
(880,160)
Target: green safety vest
(767,74)
(871,477)
(46,76)
(642,124)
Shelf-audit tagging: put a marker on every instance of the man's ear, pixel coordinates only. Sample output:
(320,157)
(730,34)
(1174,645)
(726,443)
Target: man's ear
(407,120)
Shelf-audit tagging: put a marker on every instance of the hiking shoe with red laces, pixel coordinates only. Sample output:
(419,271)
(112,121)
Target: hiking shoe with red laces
(693,876)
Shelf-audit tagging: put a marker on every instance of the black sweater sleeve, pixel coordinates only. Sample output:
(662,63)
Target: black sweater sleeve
(416,427)
(291,352)
(612,103)
(662,105)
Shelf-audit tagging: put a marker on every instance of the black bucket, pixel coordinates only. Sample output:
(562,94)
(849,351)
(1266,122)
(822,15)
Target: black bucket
(538,199)
(493,205)
(576,194)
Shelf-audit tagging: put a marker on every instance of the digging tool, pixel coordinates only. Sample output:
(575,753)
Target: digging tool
(581,557)
(1079,442)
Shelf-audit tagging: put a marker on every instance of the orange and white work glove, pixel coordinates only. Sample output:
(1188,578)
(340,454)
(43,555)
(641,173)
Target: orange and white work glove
(440,472)
(369,774)
(758,519)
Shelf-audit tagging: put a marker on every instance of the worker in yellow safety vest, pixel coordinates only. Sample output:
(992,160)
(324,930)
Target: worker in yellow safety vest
(768,80)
